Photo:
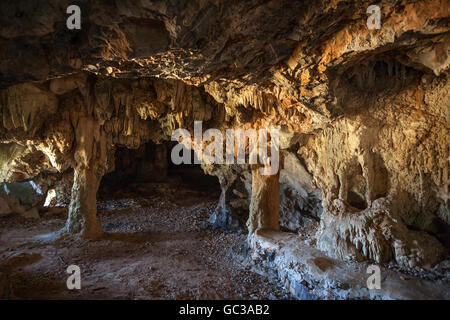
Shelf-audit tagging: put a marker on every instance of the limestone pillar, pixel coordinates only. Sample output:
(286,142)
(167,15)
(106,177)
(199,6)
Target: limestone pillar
(265,202)
(90,161)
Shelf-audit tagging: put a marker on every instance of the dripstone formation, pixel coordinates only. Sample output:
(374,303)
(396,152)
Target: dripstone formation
(363,114)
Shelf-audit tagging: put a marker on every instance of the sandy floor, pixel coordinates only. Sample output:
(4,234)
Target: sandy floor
(157,246)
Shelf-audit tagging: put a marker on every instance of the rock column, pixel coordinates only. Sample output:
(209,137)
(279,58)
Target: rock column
(90,160)
(265,202)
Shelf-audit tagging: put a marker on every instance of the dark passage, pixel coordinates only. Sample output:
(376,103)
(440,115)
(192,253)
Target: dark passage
(151,163)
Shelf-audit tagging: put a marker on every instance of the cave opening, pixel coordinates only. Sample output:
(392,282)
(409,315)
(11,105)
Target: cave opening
(356,200)
(357,187)
(191,175)
(151,166)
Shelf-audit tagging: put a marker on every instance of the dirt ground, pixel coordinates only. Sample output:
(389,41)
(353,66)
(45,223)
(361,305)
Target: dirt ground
(156,246)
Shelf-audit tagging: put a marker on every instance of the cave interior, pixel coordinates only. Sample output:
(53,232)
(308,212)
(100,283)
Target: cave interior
(357,117)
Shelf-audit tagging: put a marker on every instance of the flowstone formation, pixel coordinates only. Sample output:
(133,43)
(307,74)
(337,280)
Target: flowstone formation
(363,114)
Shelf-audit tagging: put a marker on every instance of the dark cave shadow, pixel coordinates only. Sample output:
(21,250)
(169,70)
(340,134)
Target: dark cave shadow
(133,237)
(150,237)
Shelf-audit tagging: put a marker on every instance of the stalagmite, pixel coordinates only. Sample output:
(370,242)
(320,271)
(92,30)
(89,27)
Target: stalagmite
(265,202)
(90,166)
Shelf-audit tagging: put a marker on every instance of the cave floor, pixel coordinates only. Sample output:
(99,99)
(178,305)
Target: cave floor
(156,246)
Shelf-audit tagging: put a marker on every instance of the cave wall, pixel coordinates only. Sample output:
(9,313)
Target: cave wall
(363,113)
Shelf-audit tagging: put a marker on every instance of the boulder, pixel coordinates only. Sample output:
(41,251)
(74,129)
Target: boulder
(33,213)
(4,207)
(22,195)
